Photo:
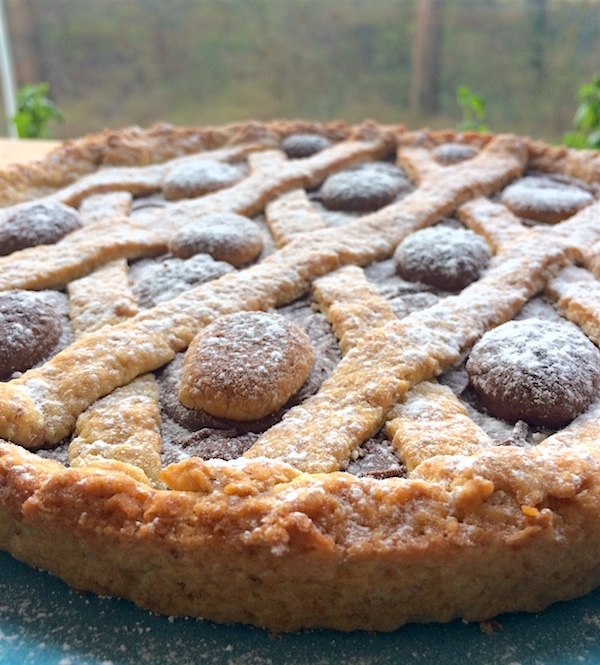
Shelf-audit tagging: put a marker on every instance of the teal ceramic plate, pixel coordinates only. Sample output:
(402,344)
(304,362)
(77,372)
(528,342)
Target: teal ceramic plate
(43,622)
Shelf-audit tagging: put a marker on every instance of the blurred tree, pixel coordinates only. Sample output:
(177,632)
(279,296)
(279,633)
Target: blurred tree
(426,56)
(538,10)
(22,27)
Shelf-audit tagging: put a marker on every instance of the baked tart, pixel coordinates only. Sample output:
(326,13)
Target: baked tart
(304,375)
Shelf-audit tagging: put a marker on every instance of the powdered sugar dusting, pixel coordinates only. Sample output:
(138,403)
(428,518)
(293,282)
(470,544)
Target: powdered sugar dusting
(245,365)
(443,257)
(538,371)
(227,237)
(155,282)
(545,199)
(195,177)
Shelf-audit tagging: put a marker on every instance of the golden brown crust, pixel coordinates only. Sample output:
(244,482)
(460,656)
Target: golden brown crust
(134,146)
(335,536)
(474,529)
(584,164)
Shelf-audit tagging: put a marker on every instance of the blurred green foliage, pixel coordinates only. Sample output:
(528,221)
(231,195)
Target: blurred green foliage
(34,111)
(473,110)
(586,122)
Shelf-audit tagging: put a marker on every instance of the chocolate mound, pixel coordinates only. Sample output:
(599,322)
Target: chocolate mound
(545,199)
(245,366)
(158,282)
(30,328)
(443,257)
(364,188)
(37,224)
(297,146)
(198,177)
(225,236)
(538,371)
(452,153)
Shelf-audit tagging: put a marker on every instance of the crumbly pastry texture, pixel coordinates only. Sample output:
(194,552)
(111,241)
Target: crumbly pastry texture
(288,522)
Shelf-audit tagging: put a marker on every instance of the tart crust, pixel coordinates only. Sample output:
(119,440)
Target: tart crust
(283,537)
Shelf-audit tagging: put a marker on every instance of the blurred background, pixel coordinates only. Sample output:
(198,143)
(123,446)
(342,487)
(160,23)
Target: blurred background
(520,64)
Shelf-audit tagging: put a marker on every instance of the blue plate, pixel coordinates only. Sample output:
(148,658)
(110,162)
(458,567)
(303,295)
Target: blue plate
(43,622)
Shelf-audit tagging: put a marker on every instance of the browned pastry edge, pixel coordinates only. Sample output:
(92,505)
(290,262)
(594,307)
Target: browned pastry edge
(134,146)
(259,542)
(274,547)
(584,164)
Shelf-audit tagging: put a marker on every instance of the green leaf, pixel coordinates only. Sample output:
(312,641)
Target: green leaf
(574,140)
(22,121)
(478,105)
(473,110)
(35,111)
(584,118)
(593,140)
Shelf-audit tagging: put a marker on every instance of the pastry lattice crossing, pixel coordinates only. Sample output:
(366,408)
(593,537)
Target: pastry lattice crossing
(289,520)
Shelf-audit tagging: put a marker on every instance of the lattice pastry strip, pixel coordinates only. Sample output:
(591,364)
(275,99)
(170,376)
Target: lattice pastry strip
(577,294)
(133,146)
(592,259)
(494,222)
(582,432)
(142,180)
(433,421)
(53,266)
(121,431)
(96,207)
(290,215)
(101,298)
(266,161)
(420,164)
(104,296)
(574,288)
(353,306)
